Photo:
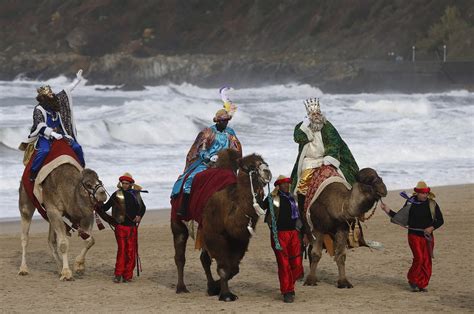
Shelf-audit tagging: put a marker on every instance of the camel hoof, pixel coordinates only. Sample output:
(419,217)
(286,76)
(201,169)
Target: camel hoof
(228,297)
(344,284)
(214,288)
(311,281)
(79,269)
(66,275)
(182,289)
(23,271)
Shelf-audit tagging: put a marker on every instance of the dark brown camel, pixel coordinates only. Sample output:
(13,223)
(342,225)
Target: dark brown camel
(224,224)
(331,212)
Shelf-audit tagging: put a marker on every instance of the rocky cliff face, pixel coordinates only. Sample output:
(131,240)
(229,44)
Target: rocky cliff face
(208,42)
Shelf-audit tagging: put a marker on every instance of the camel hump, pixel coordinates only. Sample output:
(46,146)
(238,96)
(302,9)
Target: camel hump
(228,159)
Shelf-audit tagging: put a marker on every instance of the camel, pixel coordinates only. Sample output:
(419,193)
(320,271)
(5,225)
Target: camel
(225,221)
(66,192)
(334,208)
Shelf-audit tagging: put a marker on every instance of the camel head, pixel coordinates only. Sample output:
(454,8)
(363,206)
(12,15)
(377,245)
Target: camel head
(228,158)
(371,183)
(255,164)
(91,183)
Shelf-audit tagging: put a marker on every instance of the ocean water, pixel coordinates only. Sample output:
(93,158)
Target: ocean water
(405,137)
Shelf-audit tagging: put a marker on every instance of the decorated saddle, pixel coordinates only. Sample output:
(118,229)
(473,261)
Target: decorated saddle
(322,177)
(60,153)
(205,184)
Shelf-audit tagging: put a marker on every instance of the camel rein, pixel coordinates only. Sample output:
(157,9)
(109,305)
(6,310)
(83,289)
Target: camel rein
(362,217)
(258,210)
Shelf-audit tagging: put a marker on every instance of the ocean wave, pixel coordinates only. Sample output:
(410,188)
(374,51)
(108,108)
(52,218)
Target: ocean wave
(403,107)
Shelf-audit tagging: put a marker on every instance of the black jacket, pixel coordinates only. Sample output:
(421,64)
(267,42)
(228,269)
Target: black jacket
(134,206)
(284,221)
(420,217)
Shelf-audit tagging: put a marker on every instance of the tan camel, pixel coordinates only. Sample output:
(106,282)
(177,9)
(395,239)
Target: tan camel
(67,192)
(334,208)
(225,221)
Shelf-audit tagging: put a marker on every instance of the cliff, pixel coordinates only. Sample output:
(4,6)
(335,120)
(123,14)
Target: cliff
(338,45)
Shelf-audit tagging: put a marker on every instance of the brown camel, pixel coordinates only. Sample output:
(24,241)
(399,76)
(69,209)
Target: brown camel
(66,192)
(334,208)
(225,221)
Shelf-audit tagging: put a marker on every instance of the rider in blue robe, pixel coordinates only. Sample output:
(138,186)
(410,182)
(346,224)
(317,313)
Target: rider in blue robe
(203,152)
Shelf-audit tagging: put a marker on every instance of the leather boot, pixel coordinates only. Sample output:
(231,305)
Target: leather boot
(182,211)
(33,175)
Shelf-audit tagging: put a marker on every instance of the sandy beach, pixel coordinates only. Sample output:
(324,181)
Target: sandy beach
(378,276)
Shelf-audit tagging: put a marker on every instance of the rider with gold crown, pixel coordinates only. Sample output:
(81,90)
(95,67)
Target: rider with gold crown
(53,120)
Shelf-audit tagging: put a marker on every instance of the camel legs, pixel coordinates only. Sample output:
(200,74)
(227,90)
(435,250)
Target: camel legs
(225,273)
(57,223)
(340,258)
(180,237)
(26,211)
(227,266)
(213,286)
(316,253)
(79,264)
(53,244)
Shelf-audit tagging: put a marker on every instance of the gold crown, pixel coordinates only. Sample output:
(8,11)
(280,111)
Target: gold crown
(44,90)
(312,105)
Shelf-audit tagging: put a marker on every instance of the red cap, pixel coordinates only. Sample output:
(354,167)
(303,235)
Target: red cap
(422,190)
(280,181)
(126,178)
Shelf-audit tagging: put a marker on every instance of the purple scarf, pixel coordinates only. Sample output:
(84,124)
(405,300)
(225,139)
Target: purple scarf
(295,214)
(412,199)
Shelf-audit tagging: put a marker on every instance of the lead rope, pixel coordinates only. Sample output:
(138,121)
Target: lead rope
(258,210)
(274,226)
(363,218)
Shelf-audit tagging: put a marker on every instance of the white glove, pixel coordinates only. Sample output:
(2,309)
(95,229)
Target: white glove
(214,158)
(56,136)
(76,81)
(79,75)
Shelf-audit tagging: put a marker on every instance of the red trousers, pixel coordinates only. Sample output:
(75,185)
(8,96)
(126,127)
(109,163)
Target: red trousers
(126,237)
(289,259)
(420,271)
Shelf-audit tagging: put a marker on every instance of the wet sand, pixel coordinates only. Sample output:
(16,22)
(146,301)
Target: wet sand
(379,277)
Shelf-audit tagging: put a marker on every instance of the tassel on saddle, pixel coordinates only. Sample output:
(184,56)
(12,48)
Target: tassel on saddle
(354,234)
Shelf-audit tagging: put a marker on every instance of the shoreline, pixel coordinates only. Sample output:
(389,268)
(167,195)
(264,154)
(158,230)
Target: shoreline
(378,276)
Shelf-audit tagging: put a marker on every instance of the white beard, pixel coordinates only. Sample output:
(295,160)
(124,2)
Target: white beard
(317,124)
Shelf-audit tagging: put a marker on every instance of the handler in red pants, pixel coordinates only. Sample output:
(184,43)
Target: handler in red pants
(288,223)
(127,210)
(421,215)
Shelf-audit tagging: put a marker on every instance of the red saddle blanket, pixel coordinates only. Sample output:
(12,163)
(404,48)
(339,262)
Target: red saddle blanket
(319,176)
(58,148)
(205,184)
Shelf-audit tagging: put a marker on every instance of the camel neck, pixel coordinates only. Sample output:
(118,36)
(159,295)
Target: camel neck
(359,202)
(244,192)
(81,197)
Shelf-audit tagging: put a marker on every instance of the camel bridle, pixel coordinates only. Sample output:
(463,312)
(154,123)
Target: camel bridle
(258,170)
(92,191)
